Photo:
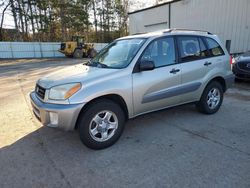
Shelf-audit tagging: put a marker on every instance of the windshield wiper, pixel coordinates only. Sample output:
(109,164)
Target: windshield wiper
(97,64)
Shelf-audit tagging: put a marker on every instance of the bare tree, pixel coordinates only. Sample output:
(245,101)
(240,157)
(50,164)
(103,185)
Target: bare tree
(2,20)
(95,17)
(30,9)
(14,14)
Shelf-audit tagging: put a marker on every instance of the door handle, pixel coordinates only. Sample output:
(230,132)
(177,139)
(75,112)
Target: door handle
(207,63)
(174,71)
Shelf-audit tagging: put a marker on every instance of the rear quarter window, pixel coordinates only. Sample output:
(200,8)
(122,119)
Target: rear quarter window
(214,48)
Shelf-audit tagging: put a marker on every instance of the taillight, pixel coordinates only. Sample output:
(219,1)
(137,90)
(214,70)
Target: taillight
(231,60)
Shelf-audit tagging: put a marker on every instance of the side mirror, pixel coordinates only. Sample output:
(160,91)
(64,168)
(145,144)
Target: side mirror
(146,65)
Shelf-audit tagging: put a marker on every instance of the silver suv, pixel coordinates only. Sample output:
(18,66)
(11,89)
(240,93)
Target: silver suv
(131,76)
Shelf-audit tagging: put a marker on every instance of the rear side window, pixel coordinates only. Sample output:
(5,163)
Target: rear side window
(214,47)
(191,48)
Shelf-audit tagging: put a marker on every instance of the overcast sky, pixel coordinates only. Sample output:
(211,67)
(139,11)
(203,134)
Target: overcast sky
(140,4)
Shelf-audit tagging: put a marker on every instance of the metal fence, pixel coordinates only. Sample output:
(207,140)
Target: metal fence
(34,49)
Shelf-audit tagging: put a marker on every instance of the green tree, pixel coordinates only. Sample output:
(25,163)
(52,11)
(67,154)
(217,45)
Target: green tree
(57,20)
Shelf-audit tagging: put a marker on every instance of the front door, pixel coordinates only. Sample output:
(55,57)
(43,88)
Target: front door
(156,89)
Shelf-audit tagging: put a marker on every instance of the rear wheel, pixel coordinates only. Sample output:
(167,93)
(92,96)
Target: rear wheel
(78,53)
(101,124)
(211,98)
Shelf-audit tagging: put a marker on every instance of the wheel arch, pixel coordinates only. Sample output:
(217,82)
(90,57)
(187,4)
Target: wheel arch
(202,105)
(220,80)
(112,97)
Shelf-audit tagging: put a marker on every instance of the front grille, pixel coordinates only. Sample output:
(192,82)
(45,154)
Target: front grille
(40,91)
(63,46)
(244,66)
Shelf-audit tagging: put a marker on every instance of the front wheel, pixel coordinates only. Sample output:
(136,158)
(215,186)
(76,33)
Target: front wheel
(92,53)
(78,53)
(211,98)
(101,125)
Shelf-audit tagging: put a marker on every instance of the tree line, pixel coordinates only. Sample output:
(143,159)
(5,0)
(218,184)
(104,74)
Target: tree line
(58,20)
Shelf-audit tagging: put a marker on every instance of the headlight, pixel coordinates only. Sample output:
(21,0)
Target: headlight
(63,92)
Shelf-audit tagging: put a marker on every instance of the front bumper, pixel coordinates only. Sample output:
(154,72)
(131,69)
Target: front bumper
(241,74)
(66,114)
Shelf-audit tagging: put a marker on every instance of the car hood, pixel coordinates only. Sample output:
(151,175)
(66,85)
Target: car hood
(243,59)
(78,73)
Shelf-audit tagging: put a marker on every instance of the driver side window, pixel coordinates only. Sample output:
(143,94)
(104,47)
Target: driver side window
(161,52)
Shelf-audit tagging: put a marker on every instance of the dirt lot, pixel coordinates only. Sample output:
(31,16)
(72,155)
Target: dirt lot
(178,147)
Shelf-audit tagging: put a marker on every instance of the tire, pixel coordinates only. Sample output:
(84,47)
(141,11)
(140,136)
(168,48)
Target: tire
(69,56)
(101,124)
(78,53)
(92,53)
(238,80)
(211,98)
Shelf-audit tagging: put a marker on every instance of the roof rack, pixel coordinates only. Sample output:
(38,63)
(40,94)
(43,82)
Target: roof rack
(139,33)
(194,30)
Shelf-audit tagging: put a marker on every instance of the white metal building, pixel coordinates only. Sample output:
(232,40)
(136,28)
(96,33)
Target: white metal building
(229,19)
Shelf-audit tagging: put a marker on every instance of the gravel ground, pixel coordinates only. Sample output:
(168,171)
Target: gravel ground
(178,147)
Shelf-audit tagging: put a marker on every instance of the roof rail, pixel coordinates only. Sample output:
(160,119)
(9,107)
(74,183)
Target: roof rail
(176,29)
(139,33)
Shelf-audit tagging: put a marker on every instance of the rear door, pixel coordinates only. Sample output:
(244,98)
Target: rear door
(155,89)
(195,65)
(216,54)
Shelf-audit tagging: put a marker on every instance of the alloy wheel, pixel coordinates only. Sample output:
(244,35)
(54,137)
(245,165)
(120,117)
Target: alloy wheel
(103,126)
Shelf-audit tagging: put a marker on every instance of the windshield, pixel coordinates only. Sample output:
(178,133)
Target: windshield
(118,54)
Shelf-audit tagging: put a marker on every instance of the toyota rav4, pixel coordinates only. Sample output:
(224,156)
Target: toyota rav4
(131,76)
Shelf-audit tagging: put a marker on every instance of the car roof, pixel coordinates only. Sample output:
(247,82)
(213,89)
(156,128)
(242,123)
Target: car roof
(169,32)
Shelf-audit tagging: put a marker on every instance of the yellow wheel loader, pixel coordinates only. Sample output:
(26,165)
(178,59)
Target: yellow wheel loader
(77,48)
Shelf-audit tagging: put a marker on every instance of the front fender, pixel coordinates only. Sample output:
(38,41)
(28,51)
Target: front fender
(108,87)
